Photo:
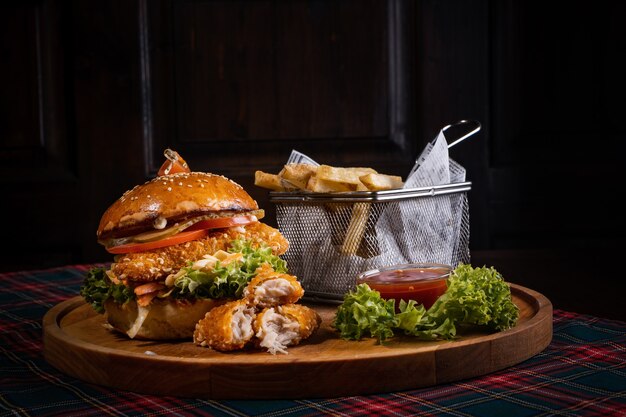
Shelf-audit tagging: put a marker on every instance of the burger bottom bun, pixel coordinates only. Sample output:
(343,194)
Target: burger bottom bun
(166,319)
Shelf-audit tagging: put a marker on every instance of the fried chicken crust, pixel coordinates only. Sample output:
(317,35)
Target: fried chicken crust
(227,327)
(269,288)
(279,327)
(157,264)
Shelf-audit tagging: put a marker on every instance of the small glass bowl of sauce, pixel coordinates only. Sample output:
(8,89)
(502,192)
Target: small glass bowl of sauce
(422,282)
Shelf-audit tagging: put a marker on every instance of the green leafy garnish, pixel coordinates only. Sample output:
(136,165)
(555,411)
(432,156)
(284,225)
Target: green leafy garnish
(224,281)
(364,312)
(97,288)
(227,281)
(475,296)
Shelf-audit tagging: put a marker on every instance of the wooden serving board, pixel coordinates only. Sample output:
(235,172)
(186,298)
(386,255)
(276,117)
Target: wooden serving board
(77,343)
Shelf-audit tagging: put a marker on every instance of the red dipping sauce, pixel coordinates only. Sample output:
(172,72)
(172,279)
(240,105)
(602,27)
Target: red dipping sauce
(423,282)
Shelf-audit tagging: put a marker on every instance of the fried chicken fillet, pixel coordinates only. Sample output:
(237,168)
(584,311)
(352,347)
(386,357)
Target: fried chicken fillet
(270,288)
(226,328)
(236,324)
(157,264)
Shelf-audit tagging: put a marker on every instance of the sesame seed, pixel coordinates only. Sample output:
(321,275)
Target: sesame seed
(169,188)
(180,183)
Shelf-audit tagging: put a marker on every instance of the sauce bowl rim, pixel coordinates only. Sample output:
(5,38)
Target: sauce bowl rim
(364,276)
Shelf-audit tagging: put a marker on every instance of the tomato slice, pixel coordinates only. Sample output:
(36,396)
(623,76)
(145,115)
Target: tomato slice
(222,222)
(176,239)
(196,231)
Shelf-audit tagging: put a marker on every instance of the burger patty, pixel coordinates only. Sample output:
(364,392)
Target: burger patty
(157,264)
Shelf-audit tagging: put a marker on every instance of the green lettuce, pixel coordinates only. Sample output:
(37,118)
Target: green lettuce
(364,312)
(225,281)
(475,296)
(97,288)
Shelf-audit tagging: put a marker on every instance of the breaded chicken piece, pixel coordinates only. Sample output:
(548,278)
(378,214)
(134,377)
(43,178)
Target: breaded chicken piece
(270,288)
(227,327)
(276,328)
(157,264)
(260,233)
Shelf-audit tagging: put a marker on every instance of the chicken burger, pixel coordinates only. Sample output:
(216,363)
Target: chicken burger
(183,243)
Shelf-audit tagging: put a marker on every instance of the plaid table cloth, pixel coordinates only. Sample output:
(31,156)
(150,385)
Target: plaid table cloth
(581,373)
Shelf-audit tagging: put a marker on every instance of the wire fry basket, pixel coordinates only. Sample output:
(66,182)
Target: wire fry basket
(335,237)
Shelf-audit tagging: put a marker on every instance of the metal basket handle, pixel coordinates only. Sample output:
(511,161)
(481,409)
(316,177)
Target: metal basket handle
(470,128)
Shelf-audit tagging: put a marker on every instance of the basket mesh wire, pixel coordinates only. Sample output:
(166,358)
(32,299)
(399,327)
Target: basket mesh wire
(332,242)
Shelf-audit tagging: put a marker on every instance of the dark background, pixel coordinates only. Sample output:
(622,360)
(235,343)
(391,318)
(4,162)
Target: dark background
(92,92)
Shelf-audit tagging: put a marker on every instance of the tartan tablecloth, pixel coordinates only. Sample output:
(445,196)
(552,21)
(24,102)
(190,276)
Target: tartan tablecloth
(581,373)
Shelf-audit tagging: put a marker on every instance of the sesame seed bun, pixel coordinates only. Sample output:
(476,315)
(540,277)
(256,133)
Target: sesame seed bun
(171,198)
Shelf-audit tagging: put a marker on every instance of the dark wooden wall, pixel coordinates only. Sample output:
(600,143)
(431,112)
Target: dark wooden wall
(92,92)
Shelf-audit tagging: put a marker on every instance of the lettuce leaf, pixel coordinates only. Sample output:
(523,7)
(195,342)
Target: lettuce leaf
(227,281)
(475,296)
(364,312)
(223,282)
(97,288)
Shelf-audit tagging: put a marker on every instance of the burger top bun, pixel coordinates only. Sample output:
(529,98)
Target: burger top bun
(166,199)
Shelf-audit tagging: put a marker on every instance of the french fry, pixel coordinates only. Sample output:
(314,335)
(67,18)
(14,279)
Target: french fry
(342,175)
(380,182)
(356,228)
(361,187)
(318,185)
(270,181)
(298,174)
(329,179)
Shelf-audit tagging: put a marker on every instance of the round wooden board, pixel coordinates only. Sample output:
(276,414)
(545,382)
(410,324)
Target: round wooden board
(77,343)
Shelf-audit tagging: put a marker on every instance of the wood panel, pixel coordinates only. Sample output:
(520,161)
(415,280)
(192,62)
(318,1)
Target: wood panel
(37,165)
(260,70)
(545,84)
(33,144)
(71,133)
(20,106)
(107,120)
(95,92)
(245,82)
(235,86)
(557,134)
(453,84)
